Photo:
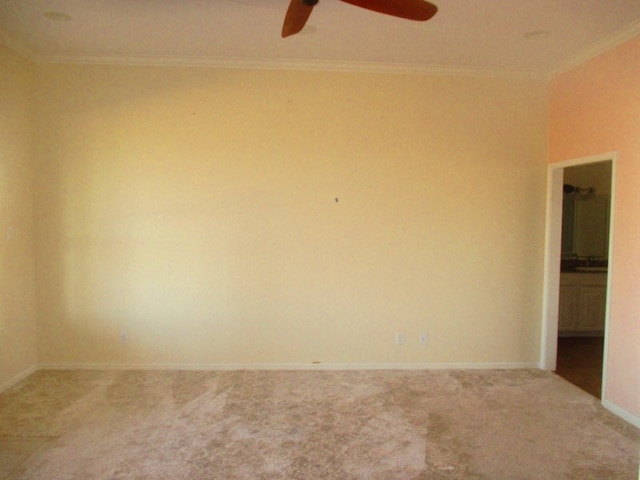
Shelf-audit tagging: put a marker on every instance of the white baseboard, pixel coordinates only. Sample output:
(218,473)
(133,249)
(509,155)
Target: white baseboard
(622,413)
(290,366)
(18,378)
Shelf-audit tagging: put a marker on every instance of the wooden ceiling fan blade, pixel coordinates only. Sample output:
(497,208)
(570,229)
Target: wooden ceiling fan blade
(419,10)
(297,16)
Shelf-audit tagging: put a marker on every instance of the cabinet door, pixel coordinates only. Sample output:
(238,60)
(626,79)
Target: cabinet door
(568,309)
(592,308)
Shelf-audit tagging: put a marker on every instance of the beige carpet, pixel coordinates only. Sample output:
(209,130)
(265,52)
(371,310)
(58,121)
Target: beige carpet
(451,424)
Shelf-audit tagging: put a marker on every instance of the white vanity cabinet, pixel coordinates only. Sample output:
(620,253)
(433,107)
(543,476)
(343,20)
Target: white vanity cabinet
(583,299)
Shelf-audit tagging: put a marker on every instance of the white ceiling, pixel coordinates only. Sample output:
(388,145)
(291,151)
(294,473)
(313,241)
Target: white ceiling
(538,37)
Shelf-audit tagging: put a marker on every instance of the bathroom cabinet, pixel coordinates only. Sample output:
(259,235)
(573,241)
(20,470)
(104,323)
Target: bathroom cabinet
(582,303)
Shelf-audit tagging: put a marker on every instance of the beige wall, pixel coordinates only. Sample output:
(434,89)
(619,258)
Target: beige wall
(196,210)
(594,109)
(17,293)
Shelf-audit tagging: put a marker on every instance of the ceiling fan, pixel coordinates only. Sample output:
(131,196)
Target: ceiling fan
(299,11)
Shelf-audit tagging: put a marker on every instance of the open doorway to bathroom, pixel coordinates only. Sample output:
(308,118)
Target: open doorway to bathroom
(582,296)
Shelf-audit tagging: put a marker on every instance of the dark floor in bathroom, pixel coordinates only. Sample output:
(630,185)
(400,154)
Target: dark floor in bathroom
(580,362)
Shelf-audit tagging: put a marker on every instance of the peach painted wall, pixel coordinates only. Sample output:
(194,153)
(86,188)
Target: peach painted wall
(594,109)
(17,291)
(195,209)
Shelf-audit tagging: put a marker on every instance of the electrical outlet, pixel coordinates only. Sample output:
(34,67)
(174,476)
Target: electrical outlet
(124,337)
(422,338)
(400,338)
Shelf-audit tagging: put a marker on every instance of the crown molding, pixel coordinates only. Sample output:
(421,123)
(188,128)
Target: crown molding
(290,65)
(268,64)
(600,47)
(596,49)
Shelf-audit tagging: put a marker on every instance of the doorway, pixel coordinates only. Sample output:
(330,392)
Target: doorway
(583,274)
(576,299)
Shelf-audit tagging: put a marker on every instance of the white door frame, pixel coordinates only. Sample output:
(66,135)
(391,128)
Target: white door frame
(553,240)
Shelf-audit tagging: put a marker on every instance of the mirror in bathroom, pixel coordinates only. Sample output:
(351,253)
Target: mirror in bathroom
(586,210)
